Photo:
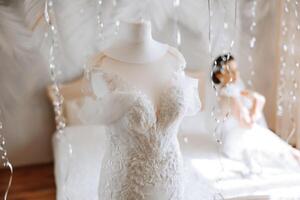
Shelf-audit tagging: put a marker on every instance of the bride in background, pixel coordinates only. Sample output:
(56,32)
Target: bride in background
(243,138)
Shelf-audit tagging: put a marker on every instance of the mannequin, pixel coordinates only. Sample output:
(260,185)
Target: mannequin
(134,44)
(137,57)
(145,162)
(73,94)
(131,55)
(71,90)
(142,96)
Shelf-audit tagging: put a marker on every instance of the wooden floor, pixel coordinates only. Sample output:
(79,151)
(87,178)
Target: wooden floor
(29,183)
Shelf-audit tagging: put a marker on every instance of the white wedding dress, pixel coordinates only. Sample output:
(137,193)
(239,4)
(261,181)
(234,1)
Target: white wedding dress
(143,159)
(77,175)
(257,146)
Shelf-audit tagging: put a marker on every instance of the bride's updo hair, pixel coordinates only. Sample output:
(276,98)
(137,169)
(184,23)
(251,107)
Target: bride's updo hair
(218,66)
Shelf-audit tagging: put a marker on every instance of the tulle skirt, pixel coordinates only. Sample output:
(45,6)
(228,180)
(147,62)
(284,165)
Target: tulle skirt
(258,146)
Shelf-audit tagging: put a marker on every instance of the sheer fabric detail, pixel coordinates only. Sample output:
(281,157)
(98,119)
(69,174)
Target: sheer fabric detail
(142,159)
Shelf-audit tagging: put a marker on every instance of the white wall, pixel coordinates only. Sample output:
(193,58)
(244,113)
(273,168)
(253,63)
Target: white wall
(28,113)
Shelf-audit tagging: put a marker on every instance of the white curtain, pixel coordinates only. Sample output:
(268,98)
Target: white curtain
(288,76)
(24,73)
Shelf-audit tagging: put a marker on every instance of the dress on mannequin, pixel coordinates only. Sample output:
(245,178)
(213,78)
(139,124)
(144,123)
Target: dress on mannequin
(143,159)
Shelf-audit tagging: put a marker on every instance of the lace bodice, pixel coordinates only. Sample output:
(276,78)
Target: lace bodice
(143,159)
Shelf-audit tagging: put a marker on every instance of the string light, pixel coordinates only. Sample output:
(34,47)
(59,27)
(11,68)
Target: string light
(210,15)
(294,73)
(117,21)
(252,42)
(3,157)
(214,109)
(117,27)
(287,91)
(226,25)
(176,6)
(217,195)
(100,21)
(58,99)
(282,71)
(216,113)
(235,24)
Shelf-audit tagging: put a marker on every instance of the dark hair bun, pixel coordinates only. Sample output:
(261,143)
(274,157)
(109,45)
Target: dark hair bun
(223,59)
(215,79)
(218,66)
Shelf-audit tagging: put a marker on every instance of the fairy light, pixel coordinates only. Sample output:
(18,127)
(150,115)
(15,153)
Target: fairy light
(282,96)
(58,99)
(226,26)
(232,42)
(215,113)
(283,65)
(218,135)
(252,42)
(176,6)
(117,27)
(100,21)
(116,21)
(210,15)
(293,74)
(217,195)
(235,24)
(3,157)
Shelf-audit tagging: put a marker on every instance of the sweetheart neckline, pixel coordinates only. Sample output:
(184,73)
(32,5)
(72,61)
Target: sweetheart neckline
(155,106)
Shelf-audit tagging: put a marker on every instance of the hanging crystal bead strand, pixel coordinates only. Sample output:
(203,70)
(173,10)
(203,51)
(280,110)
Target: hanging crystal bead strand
(210,15)
(3,157)
(99,40)
(232,42)
(100,21)
(283,65)
(214,113)
(252,43)
(57,98)
(235,25)
(293,93)
(227,27)
(176,6)
(116,21)
(218,135)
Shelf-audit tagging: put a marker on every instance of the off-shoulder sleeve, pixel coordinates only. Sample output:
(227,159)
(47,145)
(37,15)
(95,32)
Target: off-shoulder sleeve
(189,84)
(92,108)
(107,105)
(232,89)
(192,100)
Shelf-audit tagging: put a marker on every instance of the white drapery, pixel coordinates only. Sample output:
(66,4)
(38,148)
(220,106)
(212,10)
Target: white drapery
(288,76)
(23,80)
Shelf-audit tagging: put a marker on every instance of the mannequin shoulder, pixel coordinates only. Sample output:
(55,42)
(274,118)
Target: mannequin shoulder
(71,90)
(179,57)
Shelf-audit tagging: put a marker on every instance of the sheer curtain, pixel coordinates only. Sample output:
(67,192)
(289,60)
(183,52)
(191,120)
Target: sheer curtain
(23,80)
(288,76)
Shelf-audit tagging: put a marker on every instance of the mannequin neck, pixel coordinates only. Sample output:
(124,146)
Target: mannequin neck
(134,44)
(137,32)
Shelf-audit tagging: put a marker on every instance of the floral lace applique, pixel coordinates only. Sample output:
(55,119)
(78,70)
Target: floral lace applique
(143,155)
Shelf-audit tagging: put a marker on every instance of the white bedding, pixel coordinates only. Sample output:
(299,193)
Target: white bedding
(199,149)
